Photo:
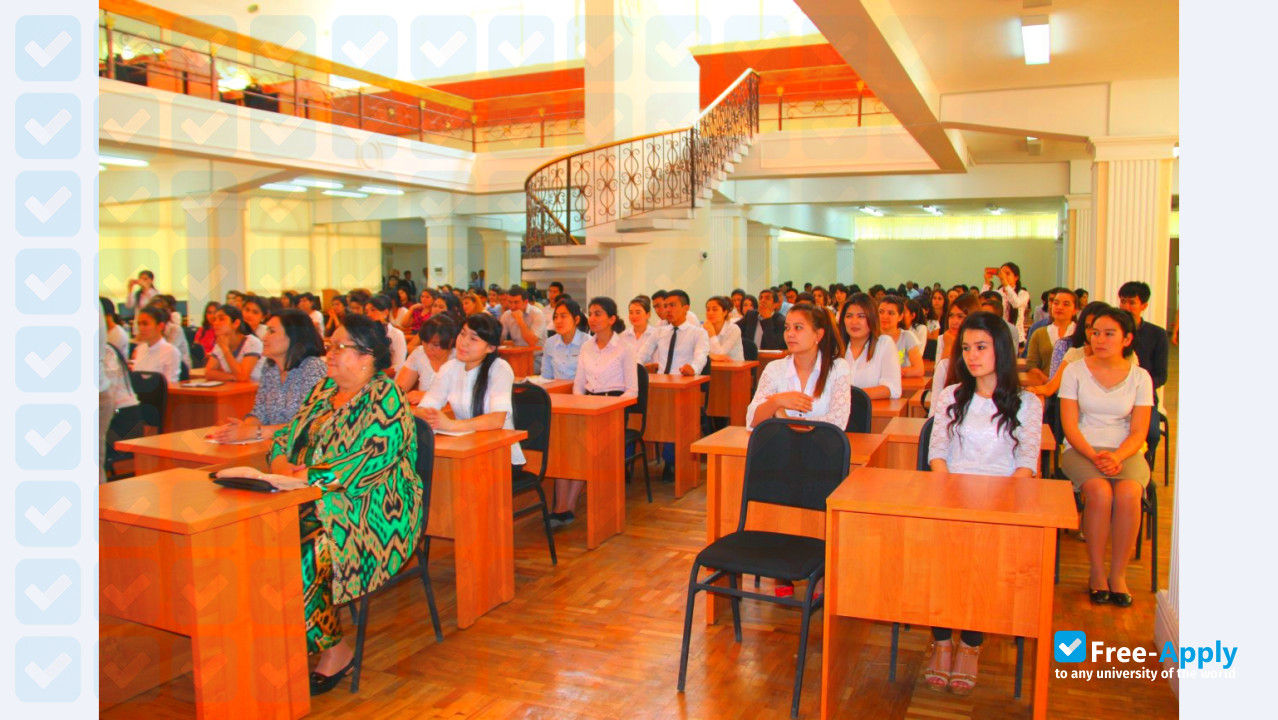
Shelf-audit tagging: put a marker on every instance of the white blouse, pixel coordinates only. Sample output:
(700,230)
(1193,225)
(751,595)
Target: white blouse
(454,385)
(939,373)
(1105,414)
(420,364)
(883,369)
(251,347)
(161,357)
(637,342)
(608,370)
(727,342)
(977,446)
(833,405)
(398,348)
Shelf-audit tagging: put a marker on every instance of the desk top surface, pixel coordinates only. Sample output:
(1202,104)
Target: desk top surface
(949,496)
(733,365)
(735,439)
(889,407)
(463,446)
(675,382)
(588,404)
(191,445)
(225,389)
(186,501)
(772,354)
(517,349)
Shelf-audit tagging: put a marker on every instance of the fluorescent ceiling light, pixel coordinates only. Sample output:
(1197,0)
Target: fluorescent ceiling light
(374,190)
(934,210)
(345,193)
(1036,39)
(994,209)
(125,161)
(871,211)
(101,167)
(317,183)
(283,187)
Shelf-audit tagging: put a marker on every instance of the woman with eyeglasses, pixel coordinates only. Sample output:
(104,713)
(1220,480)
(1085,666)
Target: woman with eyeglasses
(435,347)
(354,439)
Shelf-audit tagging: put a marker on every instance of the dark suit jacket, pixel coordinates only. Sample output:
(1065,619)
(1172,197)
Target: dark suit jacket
(773,332)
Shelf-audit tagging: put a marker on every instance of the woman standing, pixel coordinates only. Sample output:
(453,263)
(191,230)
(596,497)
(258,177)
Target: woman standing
(236,354)
(871,356)
(985,424)
(725,337)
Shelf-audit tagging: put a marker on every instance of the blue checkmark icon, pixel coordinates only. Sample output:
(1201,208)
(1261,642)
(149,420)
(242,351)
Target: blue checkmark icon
(1070,646)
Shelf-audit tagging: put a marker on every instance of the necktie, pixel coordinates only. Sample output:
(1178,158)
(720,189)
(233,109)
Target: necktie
(670,352)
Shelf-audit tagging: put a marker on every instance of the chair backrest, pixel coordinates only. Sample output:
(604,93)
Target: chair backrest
(184,373)
(861,419)
(929,349)
(424,464)
(921,462)
(749,350)
(796,463)
(152,391)
(1153,436)
(531,404)
(199,358)
(640,407)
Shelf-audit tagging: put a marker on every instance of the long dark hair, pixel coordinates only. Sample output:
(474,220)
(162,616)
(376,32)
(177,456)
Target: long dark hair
(237,318)
(866,303)
(1079,338)
(452,307)
(574,312)
(609,307)
(371,336)
(1007,391)
(442,327)
(303,339)
(488,330)
(1125,321)
(945,308)
(205,323)
(829,345)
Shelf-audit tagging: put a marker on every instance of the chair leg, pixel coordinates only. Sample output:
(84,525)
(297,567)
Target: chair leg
(545,521)
(647,474)
(361,626)
(736,607)
(1140,531)
(896,639)
(1164,427)
(687,624)
(803,648)
(423,556)
(1020,664)
(1153,542)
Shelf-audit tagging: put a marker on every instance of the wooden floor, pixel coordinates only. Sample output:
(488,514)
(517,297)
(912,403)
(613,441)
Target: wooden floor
(598,637)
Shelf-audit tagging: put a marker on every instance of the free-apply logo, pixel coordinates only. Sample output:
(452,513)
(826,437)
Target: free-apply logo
(1070,646)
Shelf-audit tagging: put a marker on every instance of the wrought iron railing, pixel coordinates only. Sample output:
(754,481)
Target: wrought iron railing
(627,178)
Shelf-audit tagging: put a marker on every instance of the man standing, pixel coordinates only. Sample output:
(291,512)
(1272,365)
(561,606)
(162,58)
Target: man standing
(681,347)
(522,324)
(408,280)
(1151,340)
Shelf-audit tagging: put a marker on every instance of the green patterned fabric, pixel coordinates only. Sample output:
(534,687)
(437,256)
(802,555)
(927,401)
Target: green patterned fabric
(371,506)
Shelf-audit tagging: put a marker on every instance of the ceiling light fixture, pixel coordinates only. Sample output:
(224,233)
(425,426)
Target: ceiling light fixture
(125,161)
(345,193)
(317,183)
(284,187)
(871,211)
(1036,39)
(933,210)
(374,190)
(994,209)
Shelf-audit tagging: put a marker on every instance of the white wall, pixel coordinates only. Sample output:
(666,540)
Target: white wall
(950,262)
(807,261)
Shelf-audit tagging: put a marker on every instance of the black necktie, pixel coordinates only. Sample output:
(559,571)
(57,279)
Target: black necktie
(670,352)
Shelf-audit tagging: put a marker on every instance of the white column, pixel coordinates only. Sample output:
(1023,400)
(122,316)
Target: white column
(215,259)
(1082,243)
(729,256)
(763,248)
(1131,184)
(447,243)
(843,253)
(502,258)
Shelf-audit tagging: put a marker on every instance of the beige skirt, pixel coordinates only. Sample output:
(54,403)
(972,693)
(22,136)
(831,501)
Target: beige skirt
(1079,469)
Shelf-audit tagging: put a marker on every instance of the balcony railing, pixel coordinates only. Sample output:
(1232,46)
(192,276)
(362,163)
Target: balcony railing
(630,177)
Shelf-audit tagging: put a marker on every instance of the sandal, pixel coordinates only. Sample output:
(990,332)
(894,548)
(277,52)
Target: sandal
(961,683)
(937,673)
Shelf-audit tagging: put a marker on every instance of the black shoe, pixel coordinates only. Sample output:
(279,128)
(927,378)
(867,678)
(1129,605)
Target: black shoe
(566,518)
(556,519)
(321,684)
(1102,597)
(1122,600)
(667,474)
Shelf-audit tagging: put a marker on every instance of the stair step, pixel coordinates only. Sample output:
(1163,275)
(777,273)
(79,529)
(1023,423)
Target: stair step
(644,223)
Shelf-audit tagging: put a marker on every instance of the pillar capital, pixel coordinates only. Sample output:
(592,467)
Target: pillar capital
(1138,147)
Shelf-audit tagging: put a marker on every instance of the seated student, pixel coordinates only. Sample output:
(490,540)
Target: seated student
(173,330)
(559,361)
(437,336)
(682,347)
(309,304)
(1072,349)
(1151,340)
(401,307)
(769,333)
(915,320)
(725,336)
(473,302)
(1042,341)
(1082,296)
(153,353)
(379,308)
(943,373)
(204,335)
(736,297)
(522,324)
(255,311)
(813,382)
(659,308)
(606,366)
(476,385)
(1042,318)
(641,329)
(292,365)
(871,356)
(984,425)
(496,300)
(336,310)
(937,315)
(116,336)
(891,312)
(1105,415)
(992,301)
(237,352)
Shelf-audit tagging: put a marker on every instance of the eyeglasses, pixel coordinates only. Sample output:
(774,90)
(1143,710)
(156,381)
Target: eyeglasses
(331,346)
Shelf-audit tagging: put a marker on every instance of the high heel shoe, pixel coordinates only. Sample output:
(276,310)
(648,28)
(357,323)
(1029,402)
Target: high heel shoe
(321,684)
(961,683)
(937,673)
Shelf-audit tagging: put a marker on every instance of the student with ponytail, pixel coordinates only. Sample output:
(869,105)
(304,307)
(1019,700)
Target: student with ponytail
(1016,299)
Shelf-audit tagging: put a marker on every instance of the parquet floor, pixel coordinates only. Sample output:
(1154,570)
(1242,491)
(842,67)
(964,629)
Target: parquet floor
(598,637)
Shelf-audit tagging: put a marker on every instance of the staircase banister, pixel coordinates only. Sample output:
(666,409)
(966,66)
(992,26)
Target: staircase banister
(548,212)
(745,75)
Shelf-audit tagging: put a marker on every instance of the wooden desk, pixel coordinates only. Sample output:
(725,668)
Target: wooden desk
(674,416)
(725,453)
(767,356)
(520,358)
(586,443)
(554,387)
(933,550)
(903,443)
(471,505)
(920,403)
(220,566)
(884,410)
(189,449)
(192,407)
(910,385)
(731,389)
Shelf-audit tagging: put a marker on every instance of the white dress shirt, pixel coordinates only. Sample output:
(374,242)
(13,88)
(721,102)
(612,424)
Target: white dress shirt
(727,342)
(161,357)
(120,339)
(398,348)
(454,385)
(833,405)
(536,321)
(692,347)
(608,369)
(251,347)
(420,364)
(883,369)
(637,342)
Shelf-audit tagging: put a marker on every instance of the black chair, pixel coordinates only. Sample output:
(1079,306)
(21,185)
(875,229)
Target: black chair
(531,404)
(127,423)
(199,358)
(929,350)
(1149,503)
(862,417)
(1164,428)
(793,463)
(184,373)
(425,466)
(152,392)
(634,437)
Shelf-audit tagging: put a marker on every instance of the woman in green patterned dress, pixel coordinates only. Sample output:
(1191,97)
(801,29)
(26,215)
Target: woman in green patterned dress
(353,438)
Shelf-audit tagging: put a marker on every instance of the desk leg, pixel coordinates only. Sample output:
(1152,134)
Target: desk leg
(687,430)
(605,491)
(843,636)
(484,532)
(714,508)
(1043,644)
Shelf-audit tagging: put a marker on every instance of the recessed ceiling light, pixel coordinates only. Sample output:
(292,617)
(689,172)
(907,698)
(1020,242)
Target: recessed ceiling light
(125,161)
(933,210)
(871,211)
(345,193)
(1036,39)
(374,190)
(284,187)
(317,183)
